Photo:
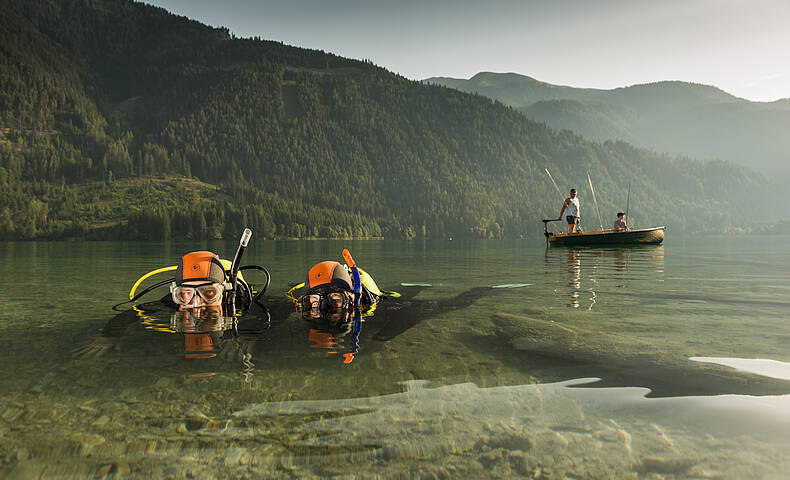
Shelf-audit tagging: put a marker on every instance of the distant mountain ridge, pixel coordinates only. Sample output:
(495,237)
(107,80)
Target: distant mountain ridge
(680,118)
(120,120)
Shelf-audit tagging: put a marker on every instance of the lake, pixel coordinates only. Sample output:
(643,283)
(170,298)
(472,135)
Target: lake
(668,361)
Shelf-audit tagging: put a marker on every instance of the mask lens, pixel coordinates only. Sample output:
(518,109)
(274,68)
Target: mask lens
(309,306)
(336,300)
(210,293)
(182,295)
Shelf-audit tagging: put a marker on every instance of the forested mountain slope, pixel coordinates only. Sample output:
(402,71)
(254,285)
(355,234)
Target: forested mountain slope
(120,120)
(676,117)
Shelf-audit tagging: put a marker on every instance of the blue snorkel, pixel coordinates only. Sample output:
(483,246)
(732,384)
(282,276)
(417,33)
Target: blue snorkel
(355,277)
(357,281)
(349,357)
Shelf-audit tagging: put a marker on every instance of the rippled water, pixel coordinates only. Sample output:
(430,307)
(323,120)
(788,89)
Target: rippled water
(650,362)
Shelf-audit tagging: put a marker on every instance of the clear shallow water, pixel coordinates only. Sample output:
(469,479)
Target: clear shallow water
(583,373)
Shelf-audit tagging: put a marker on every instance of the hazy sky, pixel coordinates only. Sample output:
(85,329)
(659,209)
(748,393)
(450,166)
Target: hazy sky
(740,46)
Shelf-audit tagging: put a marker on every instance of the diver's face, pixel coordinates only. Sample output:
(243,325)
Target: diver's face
(198,299)
(337,303)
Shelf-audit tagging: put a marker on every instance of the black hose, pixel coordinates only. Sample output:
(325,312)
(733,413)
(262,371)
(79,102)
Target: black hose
(156,285)
(247,290)
(268,279)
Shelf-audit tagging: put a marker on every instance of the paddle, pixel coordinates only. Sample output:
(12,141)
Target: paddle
(589,180)
(628,203)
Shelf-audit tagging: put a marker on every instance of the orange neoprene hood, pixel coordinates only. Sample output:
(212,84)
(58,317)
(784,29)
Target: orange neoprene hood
(328,273)
(200,266)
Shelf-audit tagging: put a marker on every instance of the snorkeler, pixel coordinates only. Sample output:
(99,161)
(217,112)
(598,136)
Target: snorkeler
(337,304)
(333,299)
(214,316)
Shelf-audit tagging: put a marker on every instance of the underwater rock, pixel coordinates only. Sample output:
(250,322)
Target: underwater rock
(195,419)
(163,382)
(608,435)
(673,466)
(663,436)
(237,456)
(512,441)
(622,360)
(562,441)
(11,414)
(88,441)
(525,466)
(22,453)
(101,421)
(474,466)
(129,396)
(180,427)
(104,470)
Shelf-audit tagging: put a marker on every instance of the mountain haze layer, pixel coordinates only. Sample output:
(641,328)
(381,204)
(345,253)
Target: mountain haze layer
(120,120)
(677,117)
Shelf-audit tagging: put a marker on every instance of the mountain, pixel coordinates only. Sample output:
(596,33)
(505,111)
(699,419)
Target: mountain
(675,117)
(121,120)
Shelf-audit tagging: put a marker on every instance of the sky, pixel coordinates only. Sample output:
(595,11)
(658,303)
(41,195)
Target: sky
(740,46)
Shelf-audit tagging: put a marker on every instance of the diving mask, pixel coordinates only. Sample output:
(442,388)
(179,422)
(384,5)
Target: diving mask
(322,302)
(211,293)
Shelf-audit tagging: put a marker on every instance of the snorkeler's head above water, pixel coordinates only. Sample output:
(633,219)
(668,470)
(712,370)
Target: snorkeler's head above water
(199,280)
(328,294)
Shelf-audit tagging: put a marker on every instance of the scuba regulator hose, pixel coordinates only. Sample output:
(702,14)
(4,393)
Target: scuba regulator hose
(257,297)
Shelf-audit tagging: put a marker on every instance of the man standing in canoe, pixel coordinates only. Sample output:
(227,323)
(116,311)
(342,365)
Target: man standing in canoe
(573,208)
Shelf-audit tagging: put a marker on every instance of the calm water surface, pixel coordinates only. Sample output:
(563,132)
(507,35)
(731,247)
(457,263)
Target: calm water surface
(655,362)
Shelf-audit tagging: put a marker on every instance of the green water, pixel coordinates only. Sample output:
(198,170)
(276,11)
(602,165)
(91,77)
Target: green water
(583,370)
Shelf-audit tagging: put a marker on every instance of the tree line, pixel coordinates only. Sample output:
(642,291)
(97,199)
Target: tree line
(119,120)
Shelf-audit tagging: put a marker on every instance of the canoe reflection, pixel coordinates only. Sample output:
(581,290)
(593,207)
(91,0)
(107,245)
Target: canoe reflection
(588,268)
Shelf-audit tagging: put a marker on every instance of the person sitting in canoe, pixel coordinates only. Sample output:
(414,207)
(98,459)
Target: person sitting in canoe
(619,224)
(573,208)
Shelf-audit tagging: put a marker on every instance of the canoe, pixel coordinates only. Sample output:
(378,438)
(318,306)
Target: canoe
(639,236)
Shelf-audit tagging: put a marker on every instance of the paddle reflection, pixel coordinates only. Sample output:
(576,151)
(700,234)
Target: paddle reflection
(574,277)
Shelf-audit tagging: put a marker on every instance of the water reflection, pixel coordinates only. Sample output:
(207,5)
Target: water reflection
(574,277)
(204,332)
(591,270)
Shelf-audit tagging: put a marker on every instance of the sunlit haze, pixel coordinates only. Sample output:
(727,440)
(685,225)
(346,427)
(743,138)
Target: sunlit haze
(738,46)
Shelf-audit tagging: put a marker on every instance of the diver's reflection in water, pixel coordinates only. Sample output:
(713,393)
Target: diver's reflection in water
(590,268)
(206,332)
